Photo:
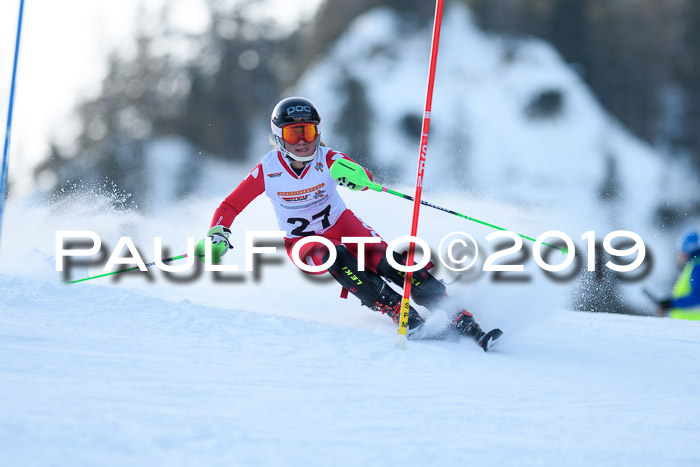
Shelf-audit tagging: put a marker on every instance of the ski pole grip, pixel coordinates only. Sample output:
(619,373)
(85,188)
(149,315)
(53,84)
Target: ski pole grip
(354,173)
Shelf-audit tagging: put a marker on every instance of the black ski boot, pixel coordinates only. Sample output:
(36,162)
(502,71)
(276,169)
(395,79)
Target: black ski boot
(430,292)
(464,324)
(388,302)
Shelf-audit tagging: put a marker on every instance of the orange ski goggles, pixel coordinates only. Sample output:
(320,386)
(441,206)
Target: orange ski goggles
(292,134)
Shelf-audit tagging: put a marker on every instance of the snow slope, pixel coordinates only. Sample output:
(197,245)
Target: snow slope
(274,369)
(97,375)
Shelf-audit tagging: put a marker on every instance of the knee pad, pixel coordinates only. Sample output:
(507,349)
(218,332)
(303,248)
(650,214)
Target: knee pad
(426,290)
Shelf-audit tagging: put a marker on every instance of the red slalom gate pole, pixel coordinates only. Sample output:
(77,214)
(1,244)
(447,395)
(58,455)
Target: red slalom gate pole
(405,305)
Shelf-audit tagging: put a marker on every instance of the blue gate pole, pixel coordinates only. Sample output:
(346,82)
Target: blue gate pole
(6,150)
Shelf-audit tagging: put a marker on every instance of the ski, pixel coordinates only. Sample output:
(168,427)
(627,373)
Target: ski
(489,339)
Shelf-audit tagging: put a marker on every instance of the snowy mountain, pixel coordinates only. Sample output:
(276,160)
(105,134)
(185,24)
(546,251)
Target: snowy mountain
(510,119)
(271,367)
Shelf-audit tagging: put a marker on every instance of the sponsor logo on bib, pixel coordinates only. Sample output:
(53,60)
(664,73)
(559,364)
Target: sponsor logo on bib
(301,195)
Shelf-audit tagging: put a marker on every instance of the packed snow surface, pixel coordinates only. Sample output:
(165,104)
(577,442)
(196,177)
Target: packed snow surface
(98,375)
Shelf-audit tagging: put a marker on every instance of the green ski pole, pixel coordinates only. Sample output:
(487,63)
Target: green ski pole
(354,173)
(153,263)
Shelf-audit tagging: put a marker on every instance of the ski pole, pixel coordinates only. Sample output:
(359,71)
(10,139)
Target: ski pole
(356,174)
(422,152)
(5,152)
(651,297)
(153,263)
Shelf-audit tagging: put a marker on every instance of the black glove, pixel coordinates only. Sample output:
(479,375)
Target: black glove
(343,181)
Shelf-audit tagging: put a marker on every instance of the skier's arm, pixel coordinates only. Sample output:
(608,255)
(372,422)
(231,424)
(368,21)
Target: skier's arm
(250,188)
(332,156)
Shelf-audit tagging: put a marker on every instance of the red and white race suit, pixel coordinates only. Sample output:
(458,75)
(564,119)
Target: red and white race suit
(306,204)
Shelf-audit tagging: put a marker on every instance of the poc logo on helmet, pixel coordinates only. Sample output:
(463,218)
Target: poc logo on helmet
(298,108)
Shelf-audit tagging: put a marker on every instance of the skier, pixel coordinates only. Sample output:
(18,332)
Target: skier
(295,175)
(684,302)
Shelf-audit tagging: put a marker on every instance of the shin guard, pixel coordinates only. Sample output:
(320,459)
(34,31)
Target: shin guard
(370,288)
